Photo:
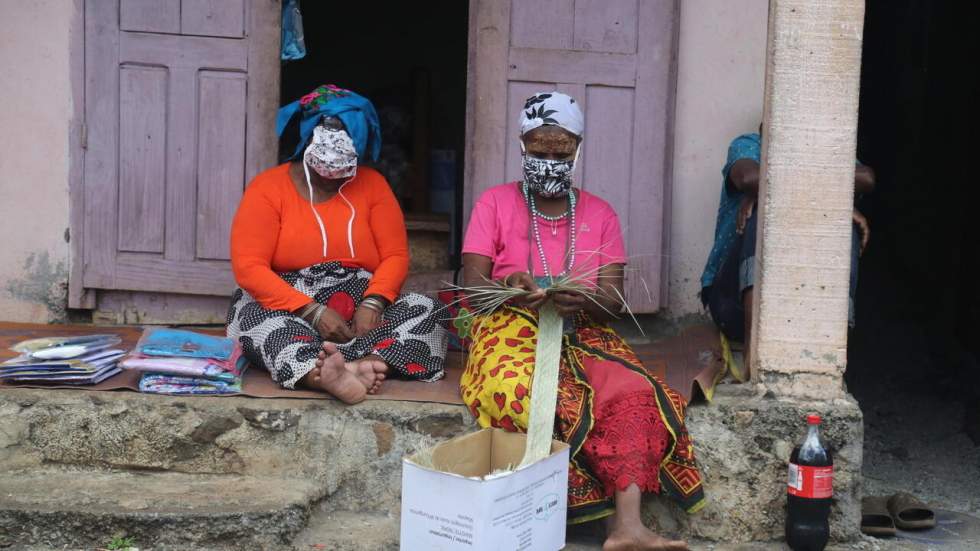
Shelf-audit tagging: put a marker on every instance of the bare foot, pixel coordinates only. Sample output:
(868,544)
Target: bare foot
(370,370)
(639,538)
(334,377)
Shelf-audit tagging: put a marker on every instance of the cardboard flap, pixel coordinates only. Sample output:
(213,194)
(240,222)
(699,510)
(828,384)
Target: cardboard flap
(467,455)
(480,453)
(507,450)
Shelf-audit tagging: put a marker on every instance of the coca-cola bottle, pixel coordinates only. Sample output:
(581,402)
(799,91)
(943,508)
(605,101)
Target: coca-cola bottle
(810,491)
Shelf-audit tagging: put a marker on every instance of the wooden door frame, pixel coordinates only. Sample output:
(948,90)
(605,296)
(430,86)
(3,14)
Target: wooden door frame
(486,129)
(261,109)
(78,295)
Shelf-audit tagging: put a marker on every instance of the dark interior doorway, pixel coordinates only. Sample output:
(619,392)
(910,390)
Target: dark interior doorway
(913,356)
(410,60)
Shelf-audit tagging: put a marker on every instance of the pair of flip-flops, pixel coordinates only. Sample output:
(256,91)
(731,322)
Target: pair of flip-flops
(882,516)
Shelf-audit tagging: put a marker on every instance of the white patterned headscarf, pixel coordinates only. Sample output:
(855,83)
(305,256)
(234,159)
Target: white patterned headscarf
(552,108)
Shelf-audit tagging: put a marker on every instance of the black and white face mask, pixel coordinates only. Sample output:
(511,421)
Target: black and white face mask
(548,178)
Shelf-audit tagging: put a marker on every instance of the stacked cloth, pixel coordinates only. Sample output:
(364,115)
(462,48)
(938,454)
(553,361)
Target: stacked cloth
(175,361)
(68,360)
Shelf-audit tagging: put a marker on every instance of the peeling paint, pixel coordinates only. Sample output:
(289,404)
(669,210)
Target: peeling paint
(45,283)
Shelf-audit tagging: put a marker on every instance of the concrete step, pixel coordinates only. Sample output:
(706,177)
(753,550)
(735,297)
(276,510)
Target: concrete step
(60,507)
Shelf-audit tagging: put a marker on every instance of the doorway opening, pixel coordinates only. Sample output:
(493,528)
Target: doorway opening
(410,60)
(914,355)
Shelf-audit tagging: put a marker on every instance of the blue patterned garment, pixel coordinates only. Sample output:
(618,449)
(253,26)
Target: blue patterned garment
(184,344)
(746,146)
(355,111)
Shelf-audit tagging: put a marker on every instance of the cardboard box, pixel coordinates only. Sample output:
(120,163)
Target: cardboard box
(468,498)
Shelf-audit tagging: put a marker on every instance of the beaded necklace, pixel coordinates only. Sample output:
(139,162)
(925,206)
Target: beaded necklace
(535,213)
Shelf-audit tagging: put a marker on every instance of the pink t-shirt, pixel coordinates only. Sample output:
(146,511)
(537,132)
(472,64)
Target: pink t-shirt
(499,227)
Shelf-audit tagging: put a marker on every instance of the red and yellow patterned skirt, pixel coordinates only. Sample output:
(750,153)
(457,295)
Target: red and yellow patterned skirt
(624,425)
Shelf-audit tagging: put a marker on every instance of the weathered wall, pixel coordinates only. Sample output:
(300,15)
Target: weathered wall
(35,113)
(721,71)
(719,95)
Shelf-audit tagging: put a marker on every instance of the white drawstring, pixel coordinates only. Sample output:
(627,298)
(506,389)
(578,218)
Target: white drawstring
(309,186)
(319,221)
(353,213)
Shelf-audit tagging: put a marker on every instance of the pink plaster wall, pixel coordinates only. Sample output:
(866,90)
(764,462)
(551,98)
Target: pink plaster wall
(721,74)
(35,114)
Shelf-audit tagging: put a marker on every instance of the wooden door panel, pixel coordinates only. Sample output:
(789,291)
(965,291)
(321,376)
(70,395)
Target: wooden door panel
(542,23)
(606,26)
(616,58)
(571,66)
(142,157)
(213,18)
(151,16)
(609,120)
(220,159)
(173,130)
(183,52)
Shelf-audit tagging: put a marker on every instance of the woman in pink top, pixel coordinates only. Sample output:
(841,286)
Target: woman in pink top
(624,425)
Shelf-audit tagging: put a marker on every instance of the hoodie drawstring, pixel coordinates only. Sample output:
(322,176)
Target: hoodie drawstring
(319,221)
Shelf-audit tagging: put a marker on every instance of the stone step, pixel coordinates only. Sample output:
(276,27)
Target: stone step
(350,459)
(61,507)
(348,452)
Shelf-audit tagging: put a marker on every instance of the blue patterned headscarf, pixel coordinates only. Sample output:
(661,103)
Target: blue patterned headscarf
(355,111)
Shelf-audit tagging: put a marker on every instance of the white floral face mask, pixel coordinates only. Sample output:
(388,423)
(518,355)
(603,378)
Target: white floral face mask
(331,153)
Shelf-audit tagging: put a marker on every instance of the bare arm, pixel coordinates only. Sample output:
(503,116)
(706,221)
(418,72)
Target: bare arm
(610,293)
(476,269)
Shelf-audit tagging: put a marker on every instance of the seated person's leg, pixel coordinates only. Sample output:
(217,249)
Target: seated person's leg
(727,295)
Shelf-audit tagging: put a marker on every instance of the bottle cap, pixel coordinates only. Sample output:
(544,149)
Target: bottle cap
(813,419)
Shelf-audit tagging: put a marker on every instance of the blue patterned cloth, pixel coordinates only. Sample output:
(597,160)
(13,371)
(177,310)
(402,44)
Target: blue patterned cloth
(184,344)
(746,146)
(355,111)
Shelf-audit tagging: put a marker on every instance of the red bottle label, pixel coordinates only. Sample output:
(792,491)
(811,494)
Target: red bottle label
(810,482)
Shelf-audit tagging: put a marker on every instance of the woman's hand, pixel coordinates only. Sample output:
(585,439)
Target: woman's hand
(567,303)
(535,296)
(365,320)
(333,328)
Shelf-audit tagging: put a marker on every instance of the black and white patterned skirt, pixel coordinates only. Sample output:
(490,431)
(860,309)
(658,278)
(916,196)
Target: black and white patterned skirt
(411,338)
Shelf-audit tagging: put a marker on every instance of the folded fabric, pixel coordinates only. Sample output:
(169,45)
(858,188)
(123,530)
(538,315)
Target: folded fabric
(163,341)
(169,384)
(91,378)
(64,347)
(205,368)
(89,369)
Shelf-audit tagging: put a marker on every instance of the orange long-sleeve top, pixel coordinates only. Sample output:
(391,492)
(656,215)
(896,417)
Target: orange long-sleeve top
(274,230)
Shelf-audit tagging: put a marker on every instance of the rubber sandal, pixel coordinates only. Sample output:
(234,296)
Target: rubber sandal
(875,518)
(909,513)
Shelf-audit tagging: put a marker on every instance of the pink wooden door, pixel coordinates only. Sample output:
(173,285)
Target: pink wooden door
(180,103)
(616,57)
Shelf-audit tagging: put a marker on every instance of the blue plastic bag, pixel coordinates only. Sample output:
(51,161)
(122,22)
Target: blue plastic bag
(163,341)
(293,45)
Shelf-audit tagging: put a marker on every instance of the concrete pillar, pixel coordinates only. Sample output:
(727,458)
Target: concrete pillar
(810,133)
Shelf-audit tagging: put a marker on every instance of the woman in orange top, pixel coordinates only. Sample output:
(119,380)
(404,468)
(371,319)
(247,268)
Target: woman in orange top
(320,252)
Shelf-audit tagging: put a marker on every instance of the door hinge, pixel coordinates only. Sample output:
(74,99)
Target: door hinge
(83,136)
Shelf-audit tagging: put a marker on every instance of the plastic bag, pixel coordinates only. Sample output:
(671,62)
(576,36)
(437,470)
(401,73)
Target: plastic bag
(293,45)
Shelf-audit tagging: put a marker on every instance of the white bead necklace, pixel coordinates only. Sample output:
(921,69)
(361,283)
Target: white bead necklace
(535,213)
